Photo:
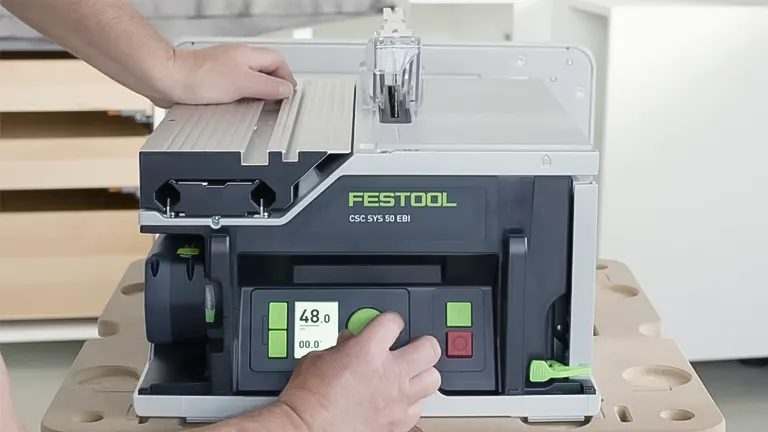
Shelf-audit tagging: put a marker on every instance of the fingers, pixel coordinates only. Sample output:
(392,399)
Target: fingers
(270,62)
(424,384)
(261,86)
(412,417)
(383,330)
(344,336)
(282,71)
(419,355)
(341,339)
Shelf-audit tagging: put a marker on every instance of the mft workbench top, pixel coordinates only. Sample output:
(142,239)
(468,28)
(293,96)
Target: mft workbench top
(646,383)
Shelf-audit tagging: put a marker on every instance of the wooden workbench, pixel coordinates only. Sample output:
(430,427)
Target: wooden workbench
(646,383)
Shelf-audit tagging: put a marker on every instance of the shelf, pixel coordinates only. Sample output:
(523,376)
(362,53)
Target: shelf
(48,331)
(49,84)
(65,251)
(69,150)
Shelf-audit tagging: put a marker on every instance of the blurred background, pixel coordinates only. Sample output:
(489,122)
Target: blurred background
(680,123)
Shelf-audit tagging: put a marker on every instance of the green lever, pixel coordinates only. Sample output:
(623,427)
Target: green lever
(543,371)
(210,304)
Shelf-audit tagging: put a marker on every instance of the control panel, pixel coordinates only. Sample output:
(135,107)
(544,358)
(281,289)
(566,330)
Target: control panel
(279,326)
(299,321)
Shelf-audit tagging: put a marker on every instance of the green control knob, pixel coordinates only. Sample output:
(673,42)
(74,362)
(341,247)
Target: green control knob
(360,318)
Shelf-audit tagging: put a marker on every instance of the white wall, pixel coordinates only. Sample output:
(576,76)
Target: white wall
(682,99)
(682,115)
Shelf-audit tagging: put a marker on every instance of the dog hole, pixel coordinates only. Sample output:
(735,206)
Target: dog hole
(657,377)
(108,379)
(89,417)
(652,329)
(107,328)
(621,292)
(132,290)
(677,415)
(623,414)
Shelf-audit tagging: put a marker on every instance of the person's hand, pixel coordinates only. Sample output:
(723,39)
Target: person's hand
(226,73)
(360,385)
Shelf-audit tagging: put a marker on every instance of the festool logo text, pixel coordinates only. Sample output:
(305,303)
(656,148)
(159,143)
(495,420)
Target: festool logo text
(400,199)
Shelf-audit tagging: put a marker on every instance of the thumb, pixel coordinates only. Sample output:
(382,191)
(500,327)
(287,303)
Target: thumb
(262,86)
(344,336)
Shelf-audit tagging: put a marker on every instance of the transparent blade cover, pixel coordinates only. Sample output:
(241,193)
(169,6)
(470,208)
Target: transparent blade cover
(391,80)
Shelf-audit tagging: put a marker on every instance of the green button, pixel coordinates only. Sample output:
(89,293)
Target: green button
(278,316)
(360,318)
(278,344)
(458,314)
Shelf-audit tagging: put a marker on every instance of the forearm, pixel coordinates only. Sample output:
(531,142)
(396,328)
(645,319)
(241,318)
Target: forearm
(8,420)
(110,35)
(276,417)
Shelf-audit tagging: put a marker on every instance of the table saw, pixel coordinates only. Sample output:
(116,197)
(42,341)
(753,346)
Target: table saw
(452,184)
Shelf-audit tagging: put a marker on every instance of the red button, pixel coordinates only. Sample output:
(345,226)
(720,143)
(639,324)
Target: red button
(459,344)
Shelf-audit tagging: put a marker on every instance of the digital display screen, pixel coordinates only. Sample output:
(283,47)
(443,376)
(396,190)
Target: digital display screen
(316,327)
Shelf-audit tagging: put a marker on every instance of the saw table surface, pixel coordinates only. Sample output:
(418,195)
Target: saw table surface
(646,383)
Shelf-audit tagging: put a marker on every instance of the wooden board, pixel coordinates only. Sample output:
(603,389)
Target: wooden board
(645,381)
(63,250)
(69,150)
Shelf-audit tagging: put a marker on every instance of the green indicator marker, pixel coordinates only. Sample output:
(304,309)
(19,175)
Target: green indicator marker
(210,304)
(543,371)
(188,251)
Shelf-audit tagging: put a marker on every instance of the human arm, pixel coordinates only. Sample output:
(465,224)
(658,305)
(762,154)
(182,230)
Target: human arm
(361,384)
(113,37)
(358,385)
(8,420)
(276,417)
(110,35)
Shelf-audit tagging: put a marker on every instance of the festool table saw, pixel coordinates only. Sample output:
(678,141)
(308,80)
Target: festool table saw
(452,184)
